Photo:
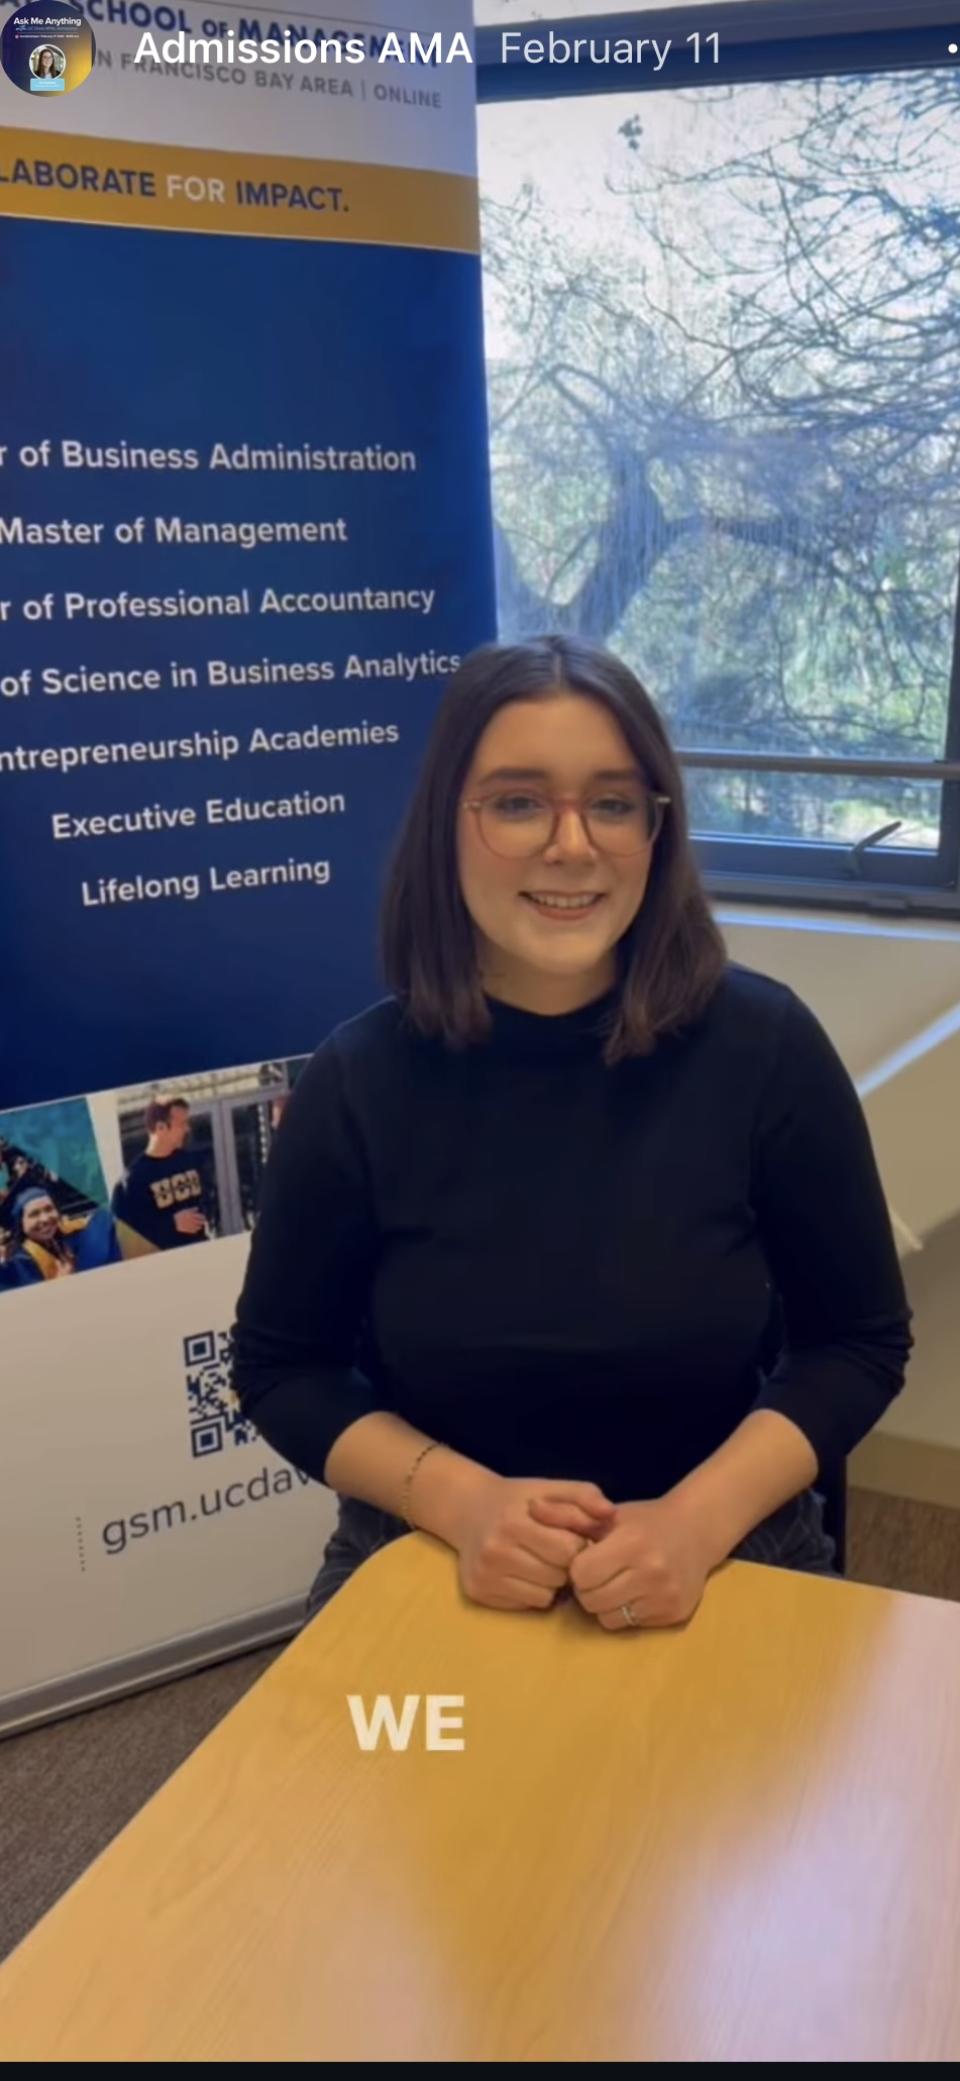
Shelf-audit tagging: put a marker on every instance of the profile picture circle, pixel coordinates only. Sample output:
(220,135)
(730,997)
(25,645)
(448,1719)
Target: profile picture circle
(47,47)
(48,62)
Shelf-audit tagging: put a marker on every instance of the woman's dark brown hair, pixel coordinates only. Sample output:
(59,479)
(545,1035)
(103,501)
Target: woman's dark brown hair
(672,957)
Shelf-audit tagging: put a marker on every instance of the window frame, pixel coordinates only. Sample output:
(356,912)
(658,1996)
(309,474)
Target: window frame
(799,39)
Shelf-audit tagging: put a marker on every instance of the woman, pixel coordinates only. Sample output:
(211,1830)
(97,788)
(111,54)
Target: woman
(531,1223)
(46,71)
(51,1245)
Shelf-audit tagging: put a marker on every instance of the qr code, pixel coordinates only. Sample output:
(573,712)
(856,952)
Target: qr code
(216,1419)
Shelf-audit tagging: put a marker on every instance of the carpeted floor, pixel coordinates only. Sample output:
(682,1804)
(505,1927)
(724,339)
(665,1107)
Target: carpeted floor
(900,1545)
(67,1789)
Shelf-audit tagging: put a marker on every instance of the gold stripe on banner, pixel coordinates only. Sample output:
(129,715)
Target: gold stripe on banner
(92,180)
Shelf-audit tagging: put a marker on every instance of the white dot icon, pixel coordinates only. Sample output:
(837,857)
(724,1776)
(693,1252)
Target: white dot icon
(953,48)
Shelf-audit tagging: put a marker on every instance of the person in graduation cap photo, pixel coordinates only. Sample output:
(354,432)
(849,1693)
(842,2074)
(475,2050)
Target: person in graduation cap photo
(52,1245)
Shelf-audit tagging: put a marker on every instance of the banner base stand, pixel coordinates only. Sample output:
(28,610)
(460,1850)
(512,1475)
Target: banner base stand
(84,1689)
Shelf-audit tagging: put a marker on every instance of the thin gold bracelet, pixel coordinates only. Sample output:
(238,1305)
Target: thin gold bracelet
(408,1483)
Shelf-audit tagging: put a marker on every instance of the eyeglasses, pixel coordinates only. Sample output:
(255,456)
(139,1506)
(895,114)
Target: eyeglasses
(517,825)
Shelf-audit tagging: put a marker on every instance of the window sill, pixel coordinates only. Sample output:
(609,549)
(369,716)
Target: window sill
(846,924)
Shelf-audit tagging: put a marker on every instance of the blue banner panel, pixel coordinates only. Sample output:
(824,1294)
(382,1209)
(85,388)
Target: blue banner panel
(244,540)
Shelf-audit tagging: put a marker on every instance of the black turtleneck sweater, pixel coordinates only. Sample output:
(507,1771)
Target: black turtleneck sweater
(563,1269)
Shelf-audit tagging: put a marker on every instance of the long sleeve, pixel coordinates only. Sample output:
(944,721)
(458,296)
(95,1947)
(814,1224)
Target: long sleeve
(307,1281)
(828,1241)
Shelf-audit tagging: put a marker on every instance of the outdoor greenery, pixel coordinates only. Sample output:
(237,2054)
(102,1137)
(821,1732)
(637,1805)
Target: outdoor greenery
(724,353)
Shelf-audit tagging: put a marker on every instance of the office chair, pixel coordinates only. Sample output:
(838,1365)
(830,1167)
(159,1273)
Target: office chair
(832,1486)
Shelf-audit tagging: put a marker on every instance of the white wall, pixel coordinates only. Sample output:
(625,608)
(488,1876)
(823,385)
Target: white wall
(877,987)
(929,1408)
(875,984)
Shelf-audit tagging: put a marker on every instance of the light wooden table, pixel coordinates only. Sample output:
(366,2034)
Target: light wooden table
(736,1842)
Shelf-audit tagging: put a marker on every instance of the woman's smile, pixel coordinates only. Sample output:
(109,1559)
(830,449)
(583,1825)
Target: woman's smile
(560,908)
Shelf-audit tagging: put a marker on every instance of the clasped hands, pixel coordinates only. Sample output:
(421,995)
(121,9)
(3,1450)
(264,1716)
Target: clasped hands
(524,1541)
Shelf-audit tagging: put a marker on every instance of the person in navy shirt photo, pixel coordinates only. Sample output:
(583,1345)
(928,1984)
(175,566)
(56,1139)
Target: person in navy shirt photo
(163,1195)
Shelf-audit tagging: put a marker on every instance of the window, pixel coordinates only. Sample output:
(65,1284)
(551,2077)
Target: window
(723,341)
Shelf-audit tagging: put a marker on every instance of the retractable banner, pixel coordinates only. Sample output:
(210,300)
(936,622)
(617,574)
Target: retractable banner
(244,540)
